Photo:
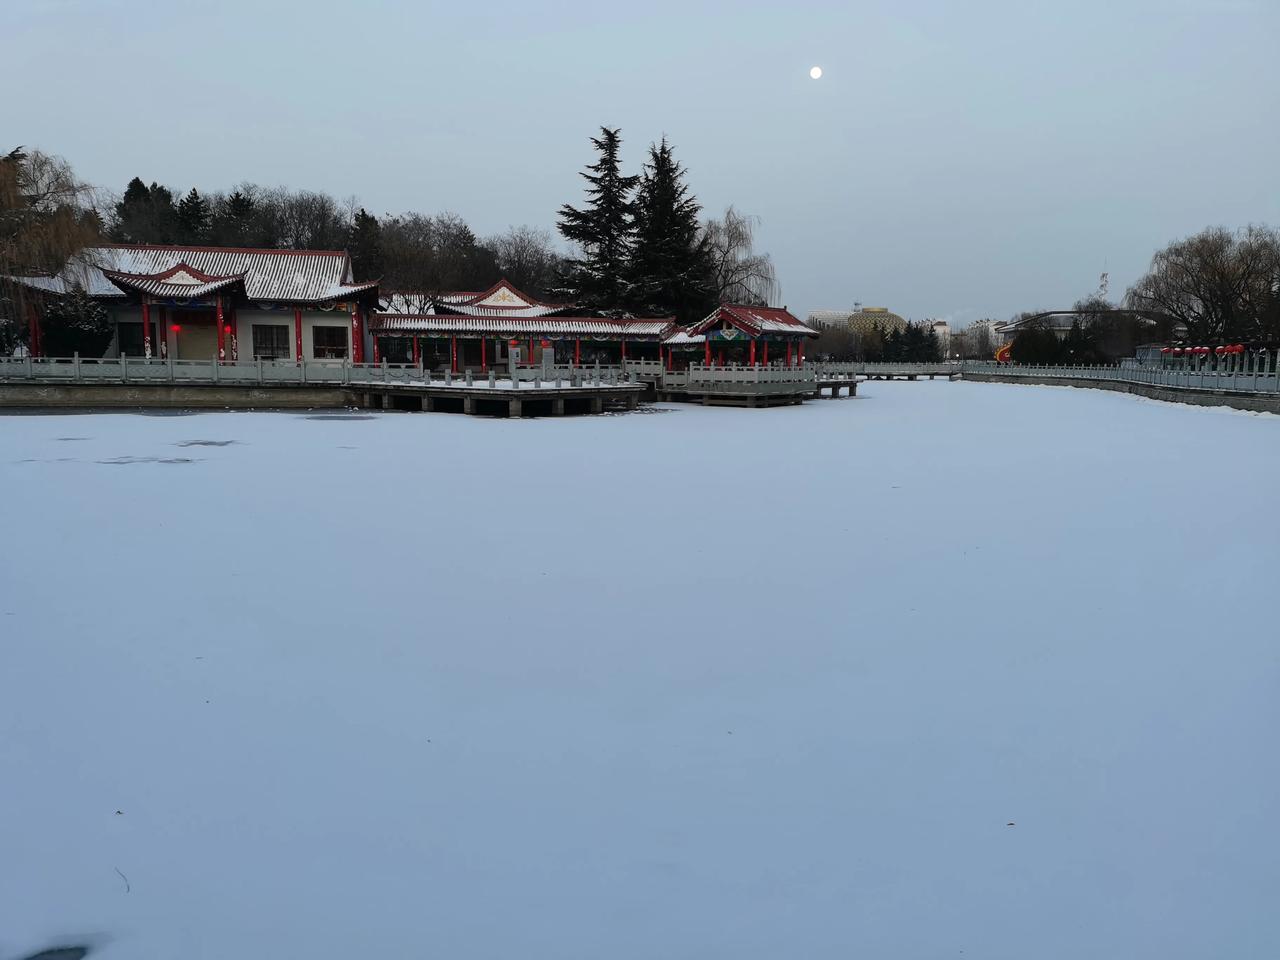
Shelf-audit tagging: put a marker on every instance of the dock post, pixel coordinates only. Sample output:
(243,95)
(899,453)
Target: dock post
(597,404)
(515,408)
(632,400)
(557,407)
(469,405)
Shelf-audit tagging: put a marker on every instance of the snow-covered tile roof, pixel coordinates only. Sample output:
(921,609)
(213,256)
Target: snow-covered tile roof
(181,281)
(292,276)
(683,338)
(500,300)
(445,325)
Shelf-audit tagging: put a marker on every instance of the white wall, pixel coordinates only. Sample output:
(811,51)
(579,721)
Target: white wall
(245,319)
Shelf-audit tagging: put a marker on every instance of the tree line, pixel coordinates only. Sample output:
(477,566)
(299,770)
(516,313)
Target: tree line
(1215,287)
(639,244)
(914,343)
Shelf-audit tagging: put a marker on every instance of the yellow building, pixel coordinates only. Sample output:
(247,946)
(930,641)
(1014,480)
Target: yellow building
(859,320)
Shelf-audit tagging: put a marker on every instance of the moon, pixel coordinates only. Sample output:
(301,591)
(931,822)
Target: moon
(816,73)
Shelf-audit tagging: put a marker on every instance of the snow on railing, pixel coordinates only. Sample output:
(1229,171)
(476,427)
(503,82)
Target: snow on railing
(736,378)
(313,372)
(1261,377)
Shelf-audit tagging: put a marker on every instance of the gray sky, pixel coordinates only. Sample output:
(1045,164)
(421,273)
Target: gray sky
(957,159)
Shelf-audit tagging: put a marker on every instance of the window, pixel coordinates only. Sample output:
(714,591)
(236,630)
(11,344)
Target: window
(131,339)
(270,342)
(329,343)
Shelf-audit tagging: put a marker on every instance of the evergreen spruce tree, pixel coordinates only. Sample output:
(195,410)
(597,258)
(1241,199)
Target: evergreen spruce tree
(893,345)
(932,347)
(670,270)
(76,323)
(232,223)
(193,218)
(365,246)
(603,229)
(146,215)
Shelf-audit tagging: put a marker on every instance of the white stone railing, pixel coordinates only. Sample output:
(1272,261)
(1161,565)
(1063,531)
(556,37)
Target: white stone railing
(274,372)
(1261,378)
(734,378)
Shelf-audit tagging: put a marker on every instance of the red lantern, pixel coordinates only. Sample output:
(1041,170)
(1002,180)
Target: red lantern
(1164,350)
(514,343)
(545,344)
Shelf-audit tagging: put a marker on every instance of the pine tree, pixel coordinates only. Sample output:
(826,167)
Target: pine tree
(893,345)
(193,218)
(603,229)
(232,223)
(932,347)
(146,214)
(670,271)
(76,323)
(365,246)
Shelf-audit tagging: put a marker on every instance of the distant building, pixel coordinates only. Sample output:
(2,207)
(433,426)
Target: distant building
(1059,323)
(942,330)
(859,320)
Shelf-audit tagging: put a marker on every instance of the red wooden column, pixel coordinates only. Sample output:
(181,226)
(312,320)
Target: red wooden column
(766,353)
(297,334)
(33,346)
(417,354)
(484,355)
(146,329)
(721,360)
(453,353)
(222,342)
(530,350)
(670,358)
(577,352)
(800,351)
(788,353)
(357,338)
(753,353)
(235,336)
(708,344)
(376,358)
(624,349)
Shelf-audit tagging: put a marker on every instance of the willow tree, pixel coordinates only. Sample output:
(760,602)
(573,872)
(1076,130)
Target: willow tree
(1219,285)
(46,216)
(740,274)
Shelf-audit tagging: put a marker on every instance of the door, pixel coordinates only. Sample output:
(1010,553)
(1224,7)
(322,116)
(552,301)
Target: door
(197,340)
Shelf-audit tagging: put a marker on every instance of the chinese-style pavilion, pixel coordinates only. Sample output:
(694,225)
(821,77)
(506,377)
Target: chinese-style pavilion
(494,326)
(741,333)
(220,302)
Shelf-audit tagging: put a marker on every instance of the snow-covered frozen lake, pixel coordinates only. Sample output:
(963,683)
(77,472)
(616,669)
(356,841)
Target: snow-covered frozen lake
(945,670)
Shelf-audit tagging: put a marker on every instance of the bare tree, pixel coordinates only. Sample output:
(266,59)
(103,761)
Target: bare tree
(741,275)
(433,255)
(1218,284)
(308,220)
(527,258)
